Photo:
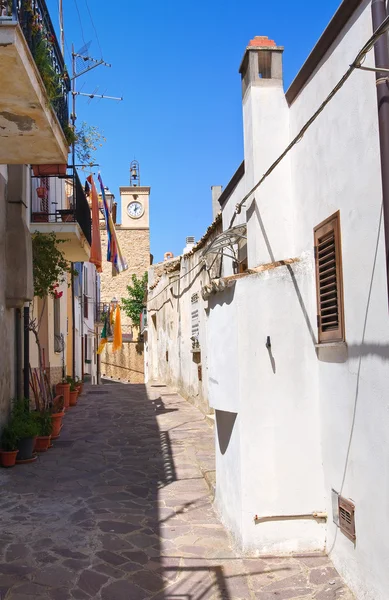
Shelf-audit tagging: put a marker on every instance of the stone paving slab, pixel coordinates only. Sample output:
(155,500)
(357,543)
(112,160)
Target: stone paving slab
(119,509)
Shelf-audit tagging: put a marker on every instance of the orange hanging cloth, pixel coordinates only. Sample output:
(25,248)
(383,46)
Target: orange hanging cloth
(95,252)
(117,332)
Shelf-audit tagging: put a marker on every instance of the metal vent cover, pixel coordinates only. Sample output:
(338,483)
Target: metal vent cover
(347,518)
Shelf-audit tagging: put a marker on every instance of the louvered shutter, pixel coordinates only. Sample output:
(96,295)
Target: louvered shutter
(329,280)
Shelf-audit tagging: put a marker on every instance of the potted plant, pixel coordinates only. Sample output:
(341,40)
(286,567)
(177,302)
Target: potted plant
(73,392)
(45,427)
(57,414)
(79,386)
(63,389)
(42,192)
(9,447)
(26,430)
(40,217)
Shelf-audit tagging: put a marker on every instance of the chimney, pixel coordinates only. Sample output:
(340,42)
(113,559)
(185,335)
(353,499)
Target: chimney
(216,193)
(168,255)
(190,243)
(266,134)
(261,64)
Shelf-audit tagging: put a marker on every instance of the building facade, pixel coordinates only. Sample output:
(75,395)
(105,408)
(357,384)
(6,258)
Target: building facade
(133,234)
(296,329)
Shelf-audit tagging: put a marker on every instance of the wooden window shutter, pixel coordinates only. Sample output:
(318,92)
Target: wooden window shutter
(329,280)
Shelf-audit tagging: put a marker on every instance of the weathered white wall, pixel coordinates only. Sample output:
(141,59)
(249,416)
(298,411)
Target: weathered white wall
(337,167)
(170,323)
(320,420)
(273,455)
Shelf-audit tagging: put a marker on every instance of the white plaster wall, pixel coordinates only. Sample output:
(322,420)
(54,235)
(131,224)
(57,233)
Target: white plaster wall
(274,455)
(343,173)
(89,322)
(266,134)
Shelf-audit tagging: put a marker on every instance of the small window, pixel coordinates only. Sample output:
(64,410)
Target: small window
(329,280)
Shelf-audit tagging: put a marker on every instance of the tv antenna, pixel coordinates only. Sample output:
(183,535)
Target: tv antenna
(82,63)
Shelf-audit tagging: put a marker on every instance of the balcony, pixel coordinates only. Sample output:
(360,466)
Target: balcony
(101,311)
(59,205)
(34,86)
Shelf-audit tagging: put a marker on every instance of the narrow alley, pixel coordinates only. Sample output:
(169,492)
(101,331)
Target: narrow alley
(120,510)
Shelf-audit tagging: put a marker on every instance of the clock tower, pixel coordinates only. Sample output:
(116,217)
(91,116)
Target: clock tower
(133,235)
(134,202)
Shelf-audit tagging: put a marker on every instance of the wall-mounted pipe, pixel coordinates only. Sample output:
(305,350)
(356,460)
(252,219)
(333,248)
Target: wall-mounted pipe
(381,54)
(317,515)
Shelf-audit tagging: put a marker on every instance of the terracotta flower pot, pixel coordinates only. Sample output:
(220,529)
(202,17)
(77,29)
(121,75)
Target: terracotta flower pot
(73,398)
(8,458)
(40,217)
(45,170)
(63,389)
(41,192)
(42,443)
(79,387)
(56,420)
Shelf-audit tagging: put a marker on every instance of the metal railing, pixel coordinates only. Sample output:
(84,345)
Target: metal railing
(101,311)
(35,22)
(70,207)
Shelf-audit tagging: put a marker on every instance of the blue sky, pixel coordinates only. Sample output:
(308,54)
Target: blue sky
(176,64)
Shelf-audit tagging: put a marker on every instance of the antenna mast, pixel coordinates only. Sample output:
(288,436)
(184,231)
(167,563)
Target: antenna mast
(87,64)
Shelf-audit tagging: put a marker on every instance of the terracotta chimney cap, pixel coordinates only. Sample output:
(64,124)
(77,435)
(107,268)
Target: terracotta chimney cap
(262,41)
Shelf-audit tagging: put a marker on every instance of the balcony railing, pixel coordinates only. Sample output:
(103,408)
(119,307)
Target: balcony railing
(34,20)
(55,200)
(101,311)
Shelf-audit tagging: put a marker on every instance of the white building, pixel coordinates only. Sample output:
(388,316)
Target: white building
(300,410)
(86,319)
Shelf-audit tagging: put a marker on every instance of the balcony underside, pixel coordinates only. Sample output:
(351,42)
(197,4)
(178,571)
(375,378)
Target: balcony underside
(75,247)
(30,132)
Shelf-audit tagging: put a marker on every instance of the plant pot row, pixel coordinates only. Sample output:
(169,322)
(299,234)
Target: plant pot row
(70,395)
(25,448)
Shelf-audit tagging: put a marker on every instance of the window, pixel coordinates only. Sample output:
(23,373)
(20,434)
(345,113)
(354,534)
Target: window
(57,325)
(329,280)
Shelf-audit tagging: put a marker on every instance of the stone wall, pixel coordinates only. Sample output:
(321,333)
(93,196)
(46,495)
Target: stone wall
(126,364)
(135,246)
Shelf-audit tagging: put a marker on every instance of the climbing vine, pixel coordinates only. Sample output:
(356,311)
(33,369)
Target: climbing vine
(50,266)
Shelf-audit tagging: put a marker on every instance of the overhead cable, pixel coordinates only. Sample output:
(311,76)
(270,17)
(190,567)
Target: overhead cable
(356,64)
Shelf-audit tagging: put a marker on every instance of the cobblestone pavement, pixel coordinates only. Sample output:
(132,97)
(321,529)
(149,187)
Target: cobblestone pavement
(119,510)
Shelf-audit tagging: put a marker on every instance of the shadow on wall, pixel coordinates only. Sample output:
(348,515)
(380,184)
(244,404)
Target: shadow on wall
(360,351)
(225,297)
(225,422)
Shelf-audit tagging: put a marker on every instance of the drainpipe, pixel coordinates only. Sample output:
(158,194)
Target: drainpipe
(381,54)
(18,353)
(26,354)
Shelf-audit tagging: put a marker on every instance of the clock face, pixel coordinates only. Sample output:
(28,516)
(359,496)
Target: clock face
(135,210)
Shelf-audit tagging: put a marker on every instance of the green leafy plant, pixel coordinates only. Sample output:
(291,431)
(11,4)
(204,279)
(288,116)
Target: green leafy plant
(51,79)
(88,138)
(22,422)
(72,382)
(49,264)
(133,305)
(70,134)
(9,439)
(44,422)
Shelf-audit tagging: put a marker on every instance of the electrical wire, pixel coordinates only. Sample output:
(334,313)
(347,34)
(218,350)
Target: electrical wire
(178,279)
(354,65)
(79,18)
(93,25)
